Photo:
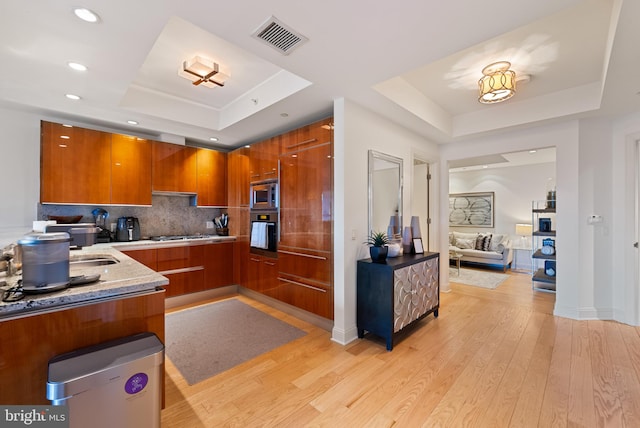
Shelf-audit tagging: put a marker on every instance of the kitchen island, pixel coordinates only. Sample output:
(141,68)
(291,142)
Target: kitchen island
(128,299)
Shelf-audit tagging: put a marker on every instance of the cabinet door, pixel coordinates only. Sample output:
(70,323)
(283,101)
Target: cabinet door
(313,134)
(415,292)
(75,165)
(238,178)
(317,299)
(149,257)
(426,286)
(211,178)
(173,168)
(218,265)
(263,160)
(130,170)
(306,197)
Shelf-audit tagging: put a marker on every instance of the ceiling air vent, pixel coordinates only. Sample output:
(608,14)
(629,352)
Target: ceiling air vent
(279,36)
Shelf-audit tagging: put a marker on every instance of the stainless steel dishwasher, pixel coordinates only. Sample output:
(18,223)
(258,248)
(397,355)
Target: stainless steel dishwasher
(113,384)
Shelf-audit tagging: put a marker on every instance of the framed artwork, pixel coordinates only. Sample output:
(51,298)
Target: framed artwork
(417,245)
(471,209)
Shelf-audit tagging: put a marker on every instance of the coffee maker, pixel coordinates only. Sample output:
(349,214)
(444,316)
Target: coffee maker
(127,229)
(101,217)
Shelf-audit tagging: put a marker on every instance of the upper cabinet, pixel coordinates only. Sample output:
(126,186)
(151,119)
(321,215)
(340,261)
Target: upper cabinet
(173,168)
(75,165)
(238,177)
(130,170)
(309,135)
(263,157)
(211,178)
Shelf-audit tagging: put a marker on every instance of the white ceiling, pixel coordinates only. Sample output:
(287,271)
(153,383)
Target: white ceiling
(416,63)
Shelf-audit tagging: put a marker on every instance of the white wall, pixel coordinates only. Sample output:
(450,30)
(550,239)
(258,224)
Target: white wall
(20,166)
(358,130)
(514,189)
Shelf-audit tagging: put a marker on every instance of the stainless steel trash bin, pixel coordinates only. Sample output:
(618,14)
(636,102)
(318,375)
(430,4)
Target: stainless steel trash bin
(113,384)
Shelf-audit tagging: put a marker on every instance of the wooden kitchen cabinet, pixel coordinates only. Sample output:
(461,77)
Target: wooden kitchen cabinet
(218,265)
(211,178)
(75,165)
(262,274)
(263,160)
(148,257)
(130,170)
(396,294)
(238,178)
(306,197)
(174,168)
(305,253)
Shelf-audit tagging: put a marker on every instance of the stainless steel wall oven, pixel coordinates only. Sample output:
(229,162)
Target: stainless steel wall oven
(264,232)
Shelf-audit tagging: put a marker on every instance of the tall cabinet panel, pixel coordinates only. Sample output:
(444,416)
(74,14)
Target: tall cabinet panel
(130,170)
(306,219)
(75,165)
(211,178)
(174,168)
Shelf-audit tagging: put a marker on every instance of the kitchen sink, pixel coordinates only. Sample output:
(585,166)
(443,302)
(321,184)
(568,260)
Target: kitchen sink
(93,260)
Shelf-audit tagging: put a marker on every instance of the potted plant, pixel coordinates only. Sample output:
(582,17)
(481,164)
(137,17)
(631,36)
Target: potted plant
(378,249)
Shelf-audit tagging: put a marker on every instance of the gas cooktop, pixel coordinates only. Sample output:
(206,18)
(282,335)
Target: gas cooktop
(179,237)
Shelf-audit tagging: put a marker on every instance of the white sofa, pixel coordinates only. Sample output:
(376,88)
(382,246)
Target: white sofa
(499,253)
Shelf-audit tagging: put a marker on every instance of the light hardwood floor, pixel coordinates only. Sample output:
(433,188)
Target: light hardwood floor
(494,358)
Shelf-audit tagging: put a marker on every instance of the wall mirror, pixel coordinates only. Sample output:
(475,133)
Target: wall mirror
(385,192)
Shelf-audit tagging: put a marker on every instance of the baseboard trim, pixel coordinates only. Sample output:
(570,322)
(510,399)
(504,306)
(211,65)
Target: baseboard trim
(188,299)
(344,337)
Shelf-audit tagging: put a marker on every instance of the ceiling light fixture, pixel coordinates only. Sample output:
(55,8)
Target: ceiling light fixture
(86,15)
(213,139)
(72,97)
(498,83)
(77,66)
(203,71)
(132,122)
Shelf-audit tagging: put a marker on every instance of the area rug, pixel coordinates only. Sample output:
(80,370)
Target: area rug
(204,341)
(477,278)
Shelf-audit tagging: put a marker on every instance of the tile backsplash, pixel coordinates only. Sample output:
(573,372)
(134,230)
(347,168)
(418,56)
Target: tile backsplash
(168,215)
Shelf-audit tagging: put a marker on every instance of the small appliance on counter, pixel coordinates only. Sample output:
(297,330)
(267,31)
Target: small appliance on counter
(45,261)
(101,217)
(127,229)
(82,234)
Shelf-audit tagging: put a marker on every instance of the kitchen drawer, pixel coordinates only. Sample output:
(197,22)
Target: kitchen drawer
(218,265)
(180,257)
(184,282)
(305,263)
(313,297)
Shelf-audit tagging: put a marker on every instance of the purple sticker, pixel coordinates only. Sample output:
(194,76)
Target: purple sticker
(136,383)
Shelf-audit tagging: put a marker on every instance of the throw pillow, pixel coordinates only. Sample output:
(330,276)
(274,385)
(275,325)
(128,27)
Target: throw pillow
(486,243)
(496,240)
(465,243)
(479,242)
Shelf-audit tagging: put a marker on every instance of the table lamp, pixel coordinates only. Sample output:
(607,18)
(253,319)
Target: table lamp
(524,230)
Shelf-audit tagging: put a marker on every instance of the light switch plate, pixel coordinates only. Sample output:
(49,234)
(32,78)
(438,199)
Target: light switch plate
(209,225)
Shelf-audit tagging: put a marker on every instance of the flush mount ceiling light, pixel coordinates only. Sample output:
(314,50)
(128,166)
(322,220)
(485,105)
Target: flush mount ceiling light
(498,83)
(203,71)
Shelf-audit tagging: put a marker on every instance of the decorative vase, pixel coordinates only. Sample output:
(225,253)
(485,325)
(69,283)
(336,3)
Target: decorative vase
(415,227)
(378,254)
(407,241)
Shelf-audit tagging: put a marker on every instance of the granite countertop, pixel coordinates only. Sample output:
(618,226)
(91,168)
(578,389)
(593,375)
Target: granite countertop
(116,280)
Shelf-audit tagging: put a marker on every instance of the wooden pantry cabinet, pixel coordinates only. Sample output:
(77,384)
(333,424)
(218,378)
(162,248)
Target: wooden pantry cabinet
(75,165)
(263,160)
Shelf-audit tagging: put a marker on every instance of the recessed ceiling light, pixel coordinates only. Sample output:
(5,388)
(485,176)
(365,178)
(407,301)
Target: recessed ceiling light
(284,114)
(532,151)
(132,122)
(72,97)
(213,138)
(485,166)
(85,14)
(77,66)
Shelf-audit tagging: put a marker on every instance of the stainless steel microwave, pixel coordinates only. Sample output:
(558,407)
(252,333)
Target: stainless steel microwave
(264,196)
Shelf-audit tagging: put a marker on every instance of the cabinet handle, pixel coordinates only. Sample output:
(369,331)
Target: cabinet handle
(268,172)
(255,175)
(254,260)
(311,256)
(302,143)
(269,263)
(302,285)
(181,270)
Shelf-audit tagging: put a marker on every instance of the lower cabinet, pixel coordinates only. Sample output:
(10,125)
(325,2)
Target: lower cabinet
(316,298)
(262,275)
(190,268)
(395,294)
